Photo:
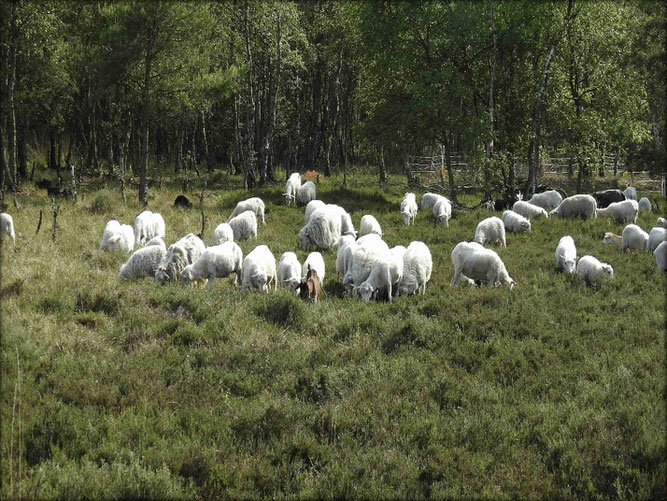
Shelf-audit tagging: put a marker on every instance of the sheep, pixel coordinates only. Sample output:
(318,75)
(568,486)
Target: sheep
(291,187)
(117,237)
(429,200)
(144,261)
(547,200)
(314,261)
(217,261)
(661,222)
(259,269)
(417,268)
(630,193)
(489,230)
(656,236)
(514,222)
(224,233)
(254,205)
(343,243)
(503,203)
(592,271)
(369,225)
(310,287)
(289,270)
(312,206)
(442,211)
(620,212)
(148,225)
(660,256)
(179,254)
(346,226)
(528,210)
(182,201)
(606,197)
(385,274)
(324,227)
(244,225)
(474,262)
(306,192)
(633,237)
(409,208)
(576,205)
(645,204)
(367,251)
(566,254)
(7,226)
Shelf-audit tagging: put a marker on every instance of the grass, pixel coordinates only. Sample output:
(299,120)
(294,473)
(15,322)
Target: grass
(124,390)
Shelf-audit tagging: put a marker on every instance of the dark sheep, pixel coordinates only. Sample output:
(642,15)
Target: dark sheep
(310,287)
(606,197)
(182,201)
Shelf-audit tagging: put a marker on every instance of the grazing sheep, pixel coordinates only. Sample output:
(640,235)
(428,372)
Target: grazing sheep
(182,201)
(417,268)
(442,211)
(661,222)
(566,255)
(289,270)
(630,193)
(385,274)
(504,203)
(514,222)
(369,225)
(148,225)
(547,200)
(660,256)
(244,225)
(409,208)
(528,210)
(656,236)
(155,241)
(314,261)
(254,205)
(633,237)
(574,206)
(369,248)
(344,242)
(117,237)
(218,261)
(310,287)
(324,227)
(306,192)
(489,230)
(620,212)
(179,254)
(259,269)
(144,261)
(7,226)
(312,206)
(224,233)
(429,200)
(606,197)
(644,204)
(474,262)
(291,187)
(592,271)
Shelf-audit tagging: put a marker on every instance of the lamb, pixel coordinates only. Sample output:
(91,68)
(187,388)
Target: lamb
(117,237)
(630,193)
(442,211)
(417,268)
(306,192)
(409,208)
(368,249)
(633,237)
(369,225)
(547,200)
(218,261)
(311,286)
(7,226)
(429,200)
(291,187)
(566,255)
(661,222)
(528,210)
(289,270)
(514,222)
(224,233)
(179,254)
(312,206)
(244,225)
(144,261)
(660,256)
(324,227)
(621,212)
(592,271)
(606,197)
(344,242)
(489,230)
(148,225)
(656,236)
(385,274)
(314,261)
(254,204)
(645,204)
(576,205)
(474,262)
(259,269)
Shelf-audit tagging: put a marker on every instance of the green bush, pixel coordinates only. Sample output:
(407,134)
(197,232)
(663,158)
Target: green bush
(283,309)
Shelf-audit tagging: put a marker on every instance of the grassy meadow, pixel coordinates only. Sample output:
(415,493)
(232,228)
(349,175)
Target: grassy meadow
(121,390)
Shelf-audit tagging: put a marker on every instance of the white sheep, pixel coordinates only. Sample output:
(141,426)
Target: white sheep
(224,233)
(429,200)
(515,223)
(369,225)
(117,237)
(324,228)
(155,241)
(346,226)
(644,204)
(661,222)
(7,226)
(312,206)
(254,204)
(633,237)
(144,261)
(291,187)
(547,200)
(148,225)
(289,270)
(566,255)
(592,271)
(574,206)
(656,236)
(489,230)
(306,192)
(368,249)
(344,242)
(528,210)
(259,269)
(620,212)
(409,208)
(417,269)
(660,256)
(179,254)
(217,261)
(244,225)
(385,274)
(630,193)
(442,211)
(474,262)
(316,262)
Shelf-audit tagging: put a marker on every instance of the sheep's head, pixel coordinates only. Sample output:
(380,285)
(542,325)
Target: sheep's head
(408,285)
(525,225)
(259,279)
(554,213)
(609,238)
(569,264)
(304,238)
(607,271)
(406,217)
(186,275)
(161,276)
(365,291)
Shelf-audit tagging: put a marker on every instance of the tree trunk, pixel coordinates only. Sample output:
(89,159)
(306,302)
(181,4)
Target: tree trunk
(274,87)
(204,137)
(22,157)
(383,167)
(489,144)
(448,162)
(251,111)
(9,96)
(143,162)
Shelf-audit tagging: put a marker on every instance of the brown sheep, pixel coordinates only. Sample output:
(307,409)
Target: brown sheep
(310,287)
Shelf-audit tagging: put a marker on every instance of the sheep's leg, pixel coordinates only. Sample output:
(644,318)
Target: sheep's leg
(210,280)
(456,279)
